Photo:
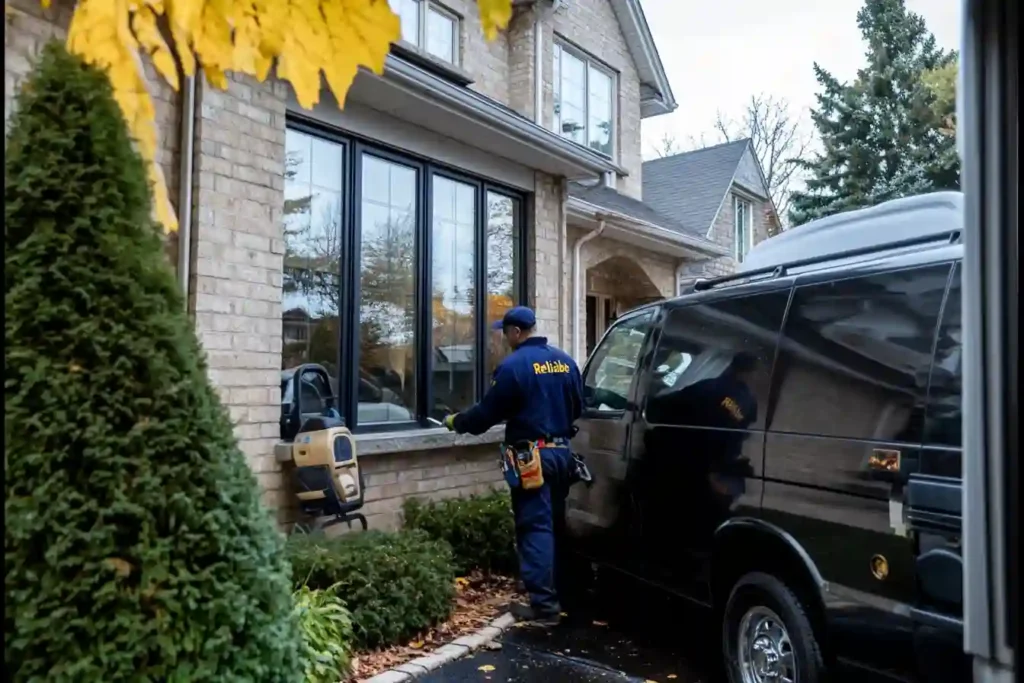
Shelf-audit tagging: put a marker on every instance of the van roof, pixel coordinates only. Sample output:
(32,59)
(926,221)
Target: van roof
(906,220)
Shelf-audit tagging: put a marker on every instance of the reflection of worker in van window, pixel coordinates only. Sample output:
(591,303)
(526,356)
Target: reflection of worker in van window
(727,406)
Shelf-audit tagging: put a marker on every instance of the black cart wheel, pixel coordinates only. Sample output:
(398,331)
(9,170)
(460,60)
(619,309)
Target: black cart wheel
(767,637)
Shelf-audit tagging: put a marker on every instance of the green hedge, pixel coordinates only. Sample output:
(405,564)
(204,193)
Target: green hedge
(327,634)
(394,584)
(135,543)
(479,529)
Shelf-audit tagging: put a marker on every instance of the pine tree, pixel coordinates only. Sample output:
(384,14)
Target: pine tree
(136,545)
(882,135)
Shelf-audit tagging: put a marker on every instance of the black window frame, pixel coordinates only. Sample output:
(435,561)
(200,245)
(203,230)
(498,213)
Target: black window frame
(347,377)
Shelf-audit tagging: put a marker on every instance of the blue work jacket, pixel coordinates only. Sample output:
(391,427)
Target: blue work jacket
(537,389)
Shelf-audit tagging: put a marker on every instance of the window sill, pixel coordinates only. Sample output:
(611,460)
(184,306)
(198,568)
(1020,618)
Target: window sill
(407,440)
(414,55)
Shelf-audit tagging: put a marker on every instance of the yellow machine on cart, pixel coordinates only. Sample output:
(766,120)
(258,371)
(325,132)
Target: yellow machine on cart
(328,480)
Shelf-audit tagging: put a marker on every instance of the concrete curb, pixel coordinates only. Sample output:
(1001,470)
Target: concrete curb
(459,647)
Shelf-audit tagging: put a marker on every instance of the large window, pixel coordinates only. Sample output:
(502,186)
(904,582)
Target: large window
(584,100)
(429,27)
(387,259)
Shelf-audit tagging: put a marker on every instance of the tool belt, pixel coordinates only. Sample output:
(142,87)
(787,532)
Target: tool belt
(522,467)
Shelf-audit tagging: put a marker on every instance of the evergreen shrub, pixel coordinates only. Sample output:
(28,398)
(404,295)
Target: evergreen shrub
(394,584)
(479,529)
(135,543)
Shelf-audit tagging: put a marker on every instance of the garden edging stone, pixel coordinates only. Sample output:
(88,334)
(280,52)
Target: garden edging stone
(444,654)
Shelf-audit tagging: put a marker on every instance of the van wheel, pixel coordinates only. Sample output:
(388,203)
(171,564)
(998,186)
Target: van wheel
(766,635)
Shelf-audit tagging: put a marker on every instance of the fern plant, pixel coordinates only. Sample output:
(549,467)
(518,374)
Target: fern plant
(327,634)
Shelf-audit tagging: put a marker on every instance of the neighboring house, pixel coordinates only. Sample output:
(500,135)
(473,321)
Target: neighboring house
(720,193)
(470,171)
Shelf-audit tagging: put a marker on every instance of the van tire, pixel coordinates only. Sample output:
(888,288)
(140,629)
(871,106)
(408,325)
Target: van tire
(763,596)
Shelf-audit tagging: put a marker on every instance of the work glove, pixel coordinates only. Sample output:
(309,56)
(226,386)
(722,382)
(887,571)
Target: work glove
(449,422)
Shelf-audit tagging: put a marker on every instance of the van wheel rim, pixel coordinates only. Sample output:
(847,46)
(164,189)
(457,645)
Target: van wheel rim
(765,653)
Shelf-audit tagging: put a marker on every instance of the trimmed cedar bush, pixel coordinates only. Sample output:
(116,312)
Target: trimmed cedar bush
(135,541)
(326,634)
(479,529)
(394,584)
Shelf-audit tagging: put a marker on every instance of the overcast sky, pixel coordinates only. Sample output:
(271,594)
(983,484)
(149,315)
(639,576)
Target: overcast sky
(717,53)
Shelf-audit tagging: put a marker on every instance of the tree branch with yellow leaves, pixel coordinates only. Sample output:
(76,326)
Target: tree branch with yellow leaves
(302,38)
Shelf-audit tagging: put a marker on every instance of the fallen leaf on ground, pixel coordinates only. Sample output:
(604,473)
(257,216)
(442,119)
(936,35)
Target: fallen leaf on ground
(600,623)
(486,668)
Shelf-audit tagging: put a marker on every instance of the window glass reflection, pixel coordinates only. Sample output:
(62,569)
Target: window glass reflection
(312,229)
(453,295)
(599,114)
(502,279)
(387,379)
(441,35)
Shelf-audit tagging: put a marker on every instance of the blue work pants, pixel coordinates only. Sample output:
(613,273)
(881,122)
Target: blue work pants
(540,524)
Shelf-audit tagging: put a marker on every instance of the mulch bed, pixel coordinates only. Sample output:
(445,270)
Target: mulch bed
(479,600)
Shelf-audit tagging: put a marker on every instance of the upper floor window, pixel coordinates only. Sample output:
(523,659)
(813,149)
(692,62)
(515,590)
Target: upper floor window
(584,100)
(743,237)
(429,27)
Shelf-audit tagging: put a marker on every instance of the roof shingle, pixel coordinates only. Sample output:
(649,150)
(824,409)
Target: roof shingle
(610,199)
(689,187)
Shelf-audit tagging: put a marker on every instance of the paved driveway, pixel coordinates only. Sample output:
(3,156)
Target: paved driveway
(667,644)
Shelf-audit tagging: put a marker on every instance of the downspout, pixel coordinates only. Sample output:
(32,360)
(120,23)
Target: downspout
(563,238)
(187,142)
(577,287)
(679,276)
(538,66)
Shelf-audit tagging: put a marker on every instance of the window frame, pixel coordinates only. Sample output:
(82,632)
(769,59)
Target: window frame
(423,9)
(348,268)
(748,216)
(654,314)
(564,46)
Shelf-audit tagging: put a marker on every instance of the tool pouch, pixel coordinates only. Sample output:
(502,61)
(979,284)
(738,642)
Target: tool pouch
(521,465)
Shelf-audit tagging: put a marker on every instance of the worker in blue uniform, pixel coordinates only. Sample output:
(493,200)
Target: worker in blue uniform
(538,391)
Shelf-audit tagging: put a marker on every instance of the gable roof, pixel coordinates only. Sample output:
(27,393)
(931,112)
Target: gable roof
(690,187)
(608,198)
(655,92)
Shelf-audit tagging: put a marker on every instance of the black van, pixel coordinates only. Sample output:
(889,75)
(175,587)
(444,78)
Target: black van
(783,445)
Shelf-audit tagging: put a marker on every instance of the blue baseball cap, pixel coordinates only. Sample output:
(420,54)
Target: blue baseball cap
(518,316)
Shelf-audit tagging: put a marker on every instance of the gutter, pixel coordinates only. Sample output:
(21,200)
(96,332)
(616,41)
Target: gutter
(466,102)
(186,154)
(576,286)
(643,227)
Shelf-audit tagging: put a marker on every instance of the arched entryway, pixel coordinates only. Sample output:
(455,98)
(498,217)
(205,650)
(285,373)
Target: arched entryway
(613,286)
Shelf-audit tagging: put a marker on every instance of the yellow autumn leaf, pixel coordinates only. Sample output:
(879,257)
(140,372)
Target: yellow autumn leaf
(486,668)
(303,38)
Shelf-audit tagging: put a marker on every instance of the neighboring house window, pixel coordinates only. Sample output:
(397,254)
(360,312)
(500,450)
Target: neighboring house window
(743,238)
(429,27)
(387,260)
(584,100)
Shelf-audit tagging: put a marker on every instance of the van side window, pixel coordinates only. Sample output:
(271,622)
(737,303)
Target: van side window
(721,353)
(610,374)
(856,353)
(942,424)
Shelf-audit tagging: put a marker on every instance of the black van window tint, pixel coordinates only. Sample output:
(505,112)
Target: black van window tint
(716,355)
(942,424)
(855,356)
(610,375)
